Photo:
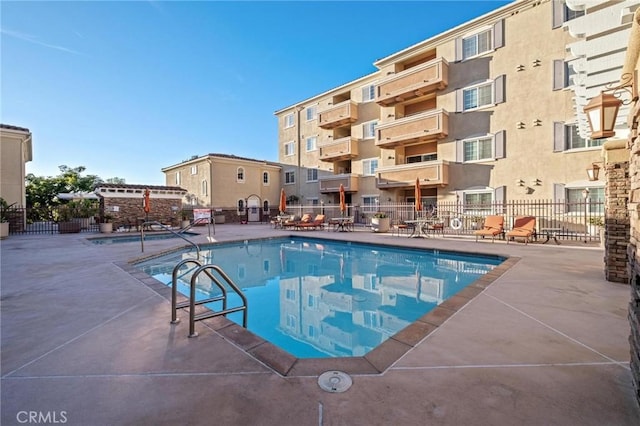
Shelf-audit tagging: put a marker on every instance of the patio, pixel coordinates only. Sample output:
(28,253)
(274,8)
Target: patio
(546,343)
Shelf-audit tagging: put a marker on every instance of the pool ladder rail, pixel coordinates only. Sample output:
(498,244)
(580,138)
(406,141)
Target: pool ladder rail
(191,303)
(165,227)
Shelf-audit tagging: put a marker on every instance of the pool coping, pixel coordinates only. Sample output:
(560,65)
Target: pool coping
(376,361)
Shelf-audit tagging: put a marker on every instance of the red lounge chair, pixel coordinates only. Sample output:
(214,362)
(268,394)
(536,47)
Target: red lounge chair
(524,227)
(493,226)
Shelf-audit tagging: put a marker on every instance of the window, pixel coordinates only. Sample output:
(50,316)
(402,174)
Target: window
(312,113)
(368,93)
(370,203)
(291,321)
(242,272)
(369,130)
(563,73)
(312,175)
(240,175)
(478,149)
(478,202)
(571,14)
(421,158)
(312,143)
(567,136)
(312,331)
(481,42)
(576,201)
(265,206)
(194,170)
(369,167)
(266,266)
(265,178)
(476,44)
(204,187)
(290,294)
(240,206)
(290,177)
(288,121)
(479,96)
(177,178)
(288,148)
(311,301)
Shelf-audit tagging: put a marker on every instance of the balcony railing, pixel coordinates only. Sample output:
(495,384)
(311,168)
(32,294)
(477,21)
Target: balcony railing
(332,183)
(339,149)
(413,82)
(426,126)
(338,115)
(404,175)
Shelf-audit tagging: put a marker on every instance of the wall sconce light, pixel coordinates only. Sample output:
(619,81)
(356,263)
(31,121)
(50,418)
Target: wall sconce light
(536,182)
(520,68)
(520,125)
(593,172)
(602,110)
(537,122)
(537,62)
(585,193)
(391,157)
(519,182)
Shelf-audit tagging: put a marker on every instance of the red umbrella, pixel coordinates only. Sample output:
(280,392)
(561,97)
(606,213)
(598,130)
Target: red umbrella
(283,201)
(343,204)
(147,201)
(418,196)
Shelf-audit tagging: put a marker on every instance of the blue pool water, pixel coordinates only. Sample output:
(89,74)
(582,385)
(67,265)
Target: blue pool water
(317,298)
(136,238)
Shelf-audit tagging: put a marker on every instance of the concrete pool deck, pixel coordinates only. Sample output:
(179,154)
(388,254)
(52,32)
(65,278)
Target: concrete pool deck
(87,342)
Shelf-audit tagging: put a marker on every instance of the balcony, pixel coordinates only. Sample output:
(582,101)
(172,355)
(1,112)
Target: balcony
(430,173)
(332,183)
(338,115)
(339,149)
(413,82)
(426,126)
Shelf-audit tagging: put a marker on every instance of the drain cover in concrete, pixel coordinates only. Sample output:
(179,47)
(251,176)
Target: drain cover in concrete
(334,381)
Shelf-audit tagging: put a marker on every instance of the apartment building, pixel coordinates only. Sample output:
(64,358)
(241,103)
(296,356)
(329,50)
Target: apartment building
(481,113)
(241,187)
(15,152)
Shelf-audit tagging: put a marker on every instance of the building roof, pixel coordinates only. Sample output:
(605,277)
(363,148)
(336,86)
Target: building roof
(10,127)
(135,186)
(220,155)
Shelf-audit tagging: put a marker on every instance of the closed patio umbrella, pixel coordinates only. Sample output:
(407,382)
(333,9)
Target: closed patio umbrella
(283,201)
(343,204)
(147,201)
(418,196)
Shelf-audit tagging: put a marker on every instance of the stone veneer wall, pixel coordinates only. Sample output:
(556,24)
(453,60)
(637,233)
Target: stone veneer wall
(617,186)
(131,209)
(632,252)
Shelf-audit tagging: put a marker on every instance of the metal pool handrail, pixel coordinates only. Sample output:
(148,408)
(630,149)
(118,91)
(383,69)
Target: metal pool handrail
(153,222)
(191,303)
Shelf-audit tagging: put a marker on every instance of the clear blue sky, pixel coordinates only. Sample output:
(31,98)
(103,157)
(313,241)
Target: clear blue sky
(127,88)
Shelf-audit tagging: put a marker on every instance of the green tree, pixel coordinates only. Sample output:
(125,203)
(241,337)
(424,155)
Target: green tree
(41,191)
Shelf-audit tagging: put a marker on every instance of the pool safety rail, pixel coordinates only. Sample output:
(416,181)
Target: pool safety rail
(165,227)
(192,303)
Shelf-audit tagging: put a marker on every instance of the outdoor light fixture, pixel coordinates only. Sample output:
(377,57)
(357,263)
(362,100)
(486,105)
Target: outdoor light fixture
(602,110)
(585,193)
(593,172)
(601,113)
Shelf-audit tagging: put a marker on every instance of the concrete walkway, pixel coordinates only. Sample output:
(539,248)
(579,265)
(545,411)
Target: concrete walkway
(84,342)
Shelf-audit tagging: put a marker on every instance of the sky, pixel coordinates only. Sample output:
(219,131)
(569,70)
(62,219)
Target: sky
(126,88)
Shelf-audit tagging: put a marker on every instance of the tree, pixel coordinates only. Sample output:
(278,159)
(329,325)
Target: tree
(41,191)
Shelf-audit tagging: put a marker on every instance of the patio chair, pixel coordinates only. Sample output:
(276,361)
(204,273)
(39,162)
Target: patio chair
(402,226)
(317,222)
(493,226)
(524,227)
(292,222)
(436,227)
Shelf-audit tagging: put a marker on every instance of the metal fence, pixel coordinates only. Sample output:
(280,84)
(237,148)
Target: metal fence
(24,220)
(580,220)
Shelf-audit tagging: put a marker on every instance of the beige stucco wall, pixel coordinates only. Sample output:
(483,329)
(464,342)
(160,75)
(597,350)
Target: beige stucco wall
(223,187)
(15,152)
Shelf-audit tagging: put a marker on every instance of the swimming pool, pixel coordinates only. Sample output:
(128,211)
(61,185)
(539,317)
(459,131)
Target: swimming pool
(136,238)
(318,298)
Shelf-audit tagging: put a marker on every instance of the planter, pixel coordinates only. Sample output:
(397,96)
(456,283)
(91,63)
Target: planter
(380,224)
(219,218)
(106,228)
(4,230)
(68,227)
